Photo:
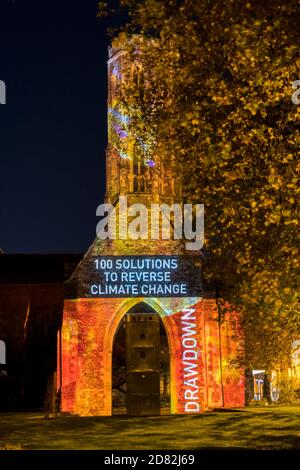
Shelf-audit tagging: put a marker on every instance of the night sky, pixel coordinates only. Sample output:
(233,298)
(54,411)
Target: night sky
(53,127)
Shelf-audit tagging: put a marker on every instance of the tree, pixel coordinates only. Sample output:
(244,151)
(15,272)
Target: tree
(215,94)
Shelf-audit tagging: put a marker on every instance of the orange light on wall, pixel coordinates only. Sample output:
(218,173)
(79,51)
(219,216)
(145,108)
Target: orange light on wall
(88,332)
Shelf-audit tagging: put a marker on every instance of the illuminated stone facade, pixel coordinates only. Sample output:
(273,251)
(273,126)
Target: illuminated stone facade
(201,348)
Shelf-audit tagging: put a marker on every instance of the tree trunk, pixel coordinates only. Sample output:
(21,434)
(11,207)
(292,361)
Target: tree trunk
(249,386)
(50,405)
(267,388)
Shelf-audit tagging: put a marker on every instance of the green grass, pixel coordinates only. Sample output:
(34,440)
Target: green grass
(257,427)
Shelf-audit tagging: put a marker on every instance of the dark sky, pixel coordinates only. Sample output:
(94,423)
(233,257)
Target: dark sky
(53,127)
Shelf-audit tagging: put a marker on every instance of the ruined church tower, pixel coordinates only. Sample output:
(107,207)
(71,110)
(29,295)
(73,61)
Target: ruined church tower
(142,353)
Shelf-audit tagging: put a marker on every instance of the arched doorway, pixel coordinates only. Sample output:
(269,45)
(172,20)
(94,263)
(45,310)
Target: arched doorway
(141,364)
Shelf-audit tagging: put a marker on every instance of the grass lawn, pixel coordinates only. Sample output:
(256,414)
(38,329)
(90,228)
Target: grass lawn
(257,427)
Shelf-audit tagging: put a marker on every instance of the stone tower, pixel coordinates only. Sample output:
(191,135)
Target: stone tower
(200,347)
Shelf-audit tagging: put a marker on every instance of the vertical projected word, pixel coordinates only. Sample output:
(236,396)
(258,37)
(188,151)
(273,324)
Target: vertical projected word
(2,92)
(189,344)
